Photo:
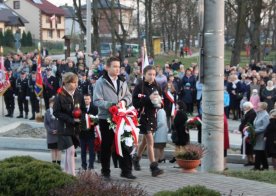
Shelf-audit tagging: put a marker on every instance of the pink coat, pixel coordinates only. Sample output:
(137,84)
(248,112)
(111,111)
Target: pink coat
(255,99)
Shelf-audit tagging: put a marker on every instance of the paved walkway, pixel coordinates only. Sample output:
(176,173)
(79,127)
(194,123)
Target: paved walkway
(173,178)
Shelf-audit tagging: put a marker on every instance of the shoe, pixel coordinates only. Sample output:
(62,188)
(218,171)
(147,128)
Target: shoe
(7,115)
(106,177)
(136,164)
(162,160)
(128,176)
(26,116)
(172,160)
(155,171)
(33,118)
(20,116)
(248,164)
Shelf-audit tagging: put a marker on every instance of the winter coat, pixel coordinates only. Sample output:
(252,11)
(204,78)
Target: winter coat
(180,128)
(270,134)
(260,124)
(255,99)
(63,107)
(248,117)
(105,95)
(161,134)
(226,134)
(146,109)
(187,95)
(270,102)
(235,98)
(50,123)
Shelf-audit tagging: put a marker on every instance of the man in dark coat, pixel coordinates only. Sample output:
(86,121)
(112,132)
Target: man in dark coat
(21,93)
(50,86)
(32,96)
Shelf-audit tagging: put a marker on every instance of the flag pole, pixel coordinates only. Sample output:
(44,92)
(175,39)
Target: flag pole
(2,64)
(40,98)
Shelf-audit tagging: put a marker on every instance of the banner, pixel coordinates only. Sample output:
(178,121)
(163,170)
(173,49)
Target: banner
(38,78)
(4,77)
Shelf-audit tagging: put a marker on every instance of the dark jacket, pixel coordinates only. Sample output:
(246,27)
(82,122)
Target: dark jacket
(83,87)
(88,133)
(147,112)
(50,86)
(11,90)
(62,110)
(249,117)
(21,88)
(270,134)
(180,128)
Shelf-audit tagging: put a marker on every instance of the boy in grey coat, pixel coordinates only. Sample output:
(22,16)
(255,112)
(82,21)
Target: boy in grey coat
(111,89)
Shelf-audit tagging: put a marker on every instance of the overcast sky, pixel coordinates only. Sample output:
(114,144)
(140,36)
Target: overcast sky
(62,2)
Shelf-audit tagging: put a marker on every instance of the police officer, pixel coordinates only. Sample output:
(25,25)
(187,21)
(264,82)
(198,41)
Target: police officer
(50,86)
(21,94)
(9,94)
(32,96)
(83,84)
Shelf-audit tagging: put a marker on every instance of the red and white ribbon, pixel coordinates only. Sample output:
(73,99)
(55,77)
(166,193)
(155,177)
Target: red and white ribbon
(125,118)
(88,121)
(170,97)
(98,133)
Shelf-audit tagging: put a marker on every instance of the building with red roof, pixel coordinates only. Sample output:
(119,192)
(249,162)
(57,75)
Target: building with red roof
(46,21)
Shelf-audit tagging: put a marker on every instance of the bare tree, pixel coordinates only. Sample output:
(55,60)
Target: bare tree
(241,8)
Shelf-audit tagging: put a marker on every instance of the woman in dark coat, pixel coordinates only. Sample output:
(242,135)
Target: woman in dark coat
(235,91)
(269,95)
(270,137)
(147,100)
(248,118)
(68,127)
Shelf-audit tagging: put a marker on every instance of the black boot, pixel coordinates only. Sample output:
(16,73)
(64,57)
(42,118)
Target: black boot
(26,115)
(33,117)
(11,115)
(135,162)
(172,160)
(20,116)
(155,171)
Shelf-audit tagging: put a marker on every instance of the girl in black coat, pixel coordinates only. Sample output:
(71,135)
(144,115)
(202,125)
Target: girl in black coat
(147,100)
(68,127)
(270,137)
(182,134)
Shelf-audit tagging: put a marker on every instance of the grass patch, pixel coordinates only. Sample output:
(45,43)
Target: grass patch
(190,191)
(260,176)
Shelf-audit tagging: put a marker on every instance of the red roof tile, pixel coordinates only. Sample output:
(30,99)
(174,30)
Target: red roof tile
(47,7)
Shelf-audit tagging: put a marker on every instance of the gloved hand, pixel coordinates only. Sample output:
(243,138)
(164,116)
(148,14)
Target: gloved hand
(246,133)
(15,96)
(38,98)
(27,98)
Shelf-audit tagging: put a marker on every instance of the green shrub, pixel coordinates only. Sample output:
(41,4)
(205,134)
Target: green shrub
(190,191)
(261,176)
(27,176)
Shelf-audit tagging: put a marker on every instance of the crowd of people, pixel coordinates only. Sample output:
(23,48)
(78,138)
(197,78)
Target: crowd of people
(165,97)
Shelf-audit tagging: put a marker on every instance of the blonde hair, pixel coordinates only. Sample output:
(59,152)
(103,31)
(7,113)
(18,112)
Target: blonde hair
(69,77)
(263,105)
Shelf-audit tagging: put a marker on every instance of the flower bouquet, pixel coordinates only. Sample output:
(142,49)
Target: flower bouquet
(193,122)
(249,137)
(124,122)
(91,120)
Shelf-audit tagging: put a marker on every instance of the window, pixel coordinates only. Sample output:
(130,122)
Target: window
(58,33)
(16,5)
(50,33)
